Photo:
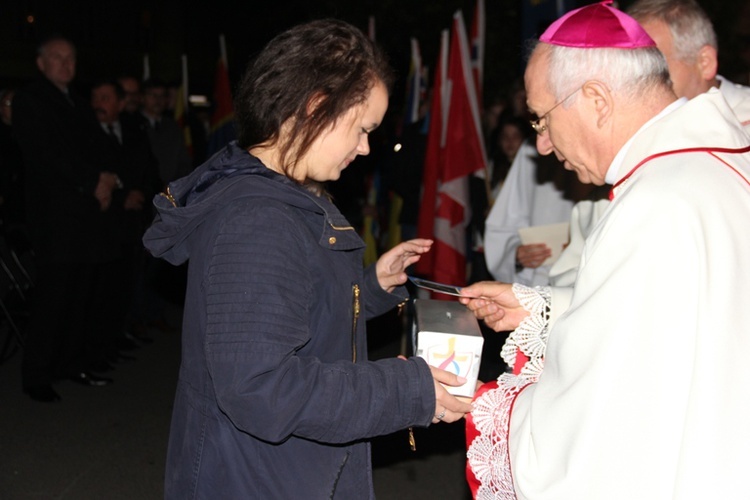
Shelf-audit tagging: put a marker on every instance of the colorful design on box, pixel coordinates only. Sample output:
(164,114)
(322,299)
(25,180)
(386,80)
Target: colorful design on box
(450,360)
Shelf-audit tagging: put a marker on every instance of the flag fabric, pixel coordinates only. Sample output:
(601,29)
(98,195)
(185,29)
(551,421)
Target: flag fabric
(181,107)
(537,15)
(371,28)
(370,226)
(146,68)
(432,167)
(476,38)
(414,85)
(415,96)
(222,119)
(445,209)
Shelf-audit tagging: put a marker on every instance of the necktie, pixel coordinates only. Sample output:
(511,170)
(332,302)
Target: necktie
(111,129)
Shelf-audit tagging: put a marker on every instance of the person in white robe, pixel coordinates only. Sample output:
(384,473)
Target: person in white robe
(636,384)
(684,33)
(524,200)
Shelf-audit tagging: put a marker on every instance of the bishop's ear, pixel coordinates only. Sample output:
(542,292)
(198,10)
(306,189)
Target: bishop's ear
(599,99)
(707,61)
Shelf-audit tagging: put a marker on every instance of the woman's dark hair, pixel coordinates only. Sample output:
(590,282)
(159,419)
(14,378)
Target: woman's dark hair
(326,66)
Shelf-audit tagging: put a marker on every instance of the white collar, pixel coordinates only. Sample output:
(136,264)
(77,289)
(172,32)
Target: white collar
(614,167)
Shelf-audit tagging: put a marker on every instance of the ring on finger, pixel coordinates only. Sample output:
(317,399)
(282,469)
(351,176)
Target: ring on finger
(440,415)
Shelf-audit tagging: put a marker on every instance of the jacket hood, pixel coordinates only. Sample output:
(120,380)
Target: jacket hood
(190,200)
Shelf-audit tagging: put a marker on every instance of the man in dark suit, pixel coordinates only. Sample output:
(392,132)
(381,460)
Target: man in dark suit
(166,136)
(69,191)
(131,208)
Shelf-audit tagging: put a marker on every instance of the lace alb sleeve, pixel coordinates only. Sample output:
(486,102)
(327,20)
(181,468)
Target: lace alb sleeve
(531,335)
(487,426)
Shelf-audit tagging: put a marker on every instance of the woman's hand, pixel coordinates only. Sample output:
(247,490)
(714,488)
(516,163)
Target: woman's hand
(391,266)
(448,408)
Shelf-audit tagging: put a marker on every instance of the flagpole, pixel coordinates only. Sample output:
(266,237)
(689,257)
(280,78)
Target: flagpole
(445,88)
(146,68)
(223,51)
(371,28)
(185,92)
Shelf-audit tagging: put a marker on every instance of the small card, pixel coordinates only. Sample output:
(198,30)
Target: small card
(555,236)
(434,286)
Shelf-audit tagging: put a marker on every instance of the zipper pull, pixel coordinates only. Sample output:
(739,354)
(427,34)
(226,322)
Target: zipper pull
(401,306)
(412,441)
(355,319)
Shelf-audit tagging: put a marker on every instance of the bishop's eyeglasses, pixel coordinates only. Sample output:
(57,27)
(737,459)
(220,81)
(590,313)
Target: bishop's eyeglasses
(536,123)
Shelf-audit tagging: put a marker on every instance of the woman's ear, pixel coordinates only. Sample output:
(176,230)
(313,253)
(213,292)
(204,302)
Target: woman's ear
(314,102)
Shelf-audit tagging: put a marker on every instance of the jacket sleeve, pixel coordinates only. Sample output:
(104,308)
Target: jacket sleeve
(377,300)
(61,147)
(259,290)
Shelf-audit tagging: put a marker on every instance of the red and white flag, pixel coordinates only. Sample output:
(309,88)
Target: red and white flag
(445,210)
(222,118)
(432,170)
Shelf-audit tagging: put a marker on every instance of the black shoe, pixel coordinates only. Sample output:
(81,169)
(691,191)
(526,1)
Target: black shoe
(42,393)
(91,380)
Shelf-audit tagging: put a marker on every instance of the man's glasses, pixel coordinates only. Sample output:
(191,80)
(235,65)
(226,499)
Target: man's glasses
(537,126)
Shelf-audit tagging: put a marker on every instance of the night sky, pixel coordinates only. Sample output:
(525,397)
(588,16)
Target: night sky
(112,37)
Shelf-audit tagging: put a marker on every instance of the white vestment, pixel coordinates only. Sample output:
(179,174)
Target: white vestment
(522,202)
(645,390)
(583,218)
(738,97)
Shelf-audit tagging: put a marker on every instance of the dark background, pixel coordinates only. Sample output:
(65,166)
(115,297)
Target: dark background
(112,37)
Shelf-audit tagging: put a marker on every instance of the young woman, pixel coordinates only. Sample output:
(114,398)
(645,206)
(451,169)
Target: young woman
(276,397)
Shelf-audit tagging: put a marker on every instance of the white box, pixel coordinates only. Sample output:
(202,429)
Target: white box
(448,337)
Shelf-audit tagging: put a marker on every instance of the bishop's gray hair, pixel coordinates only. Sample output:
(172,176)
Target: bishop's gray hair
(628,72)
(688,23)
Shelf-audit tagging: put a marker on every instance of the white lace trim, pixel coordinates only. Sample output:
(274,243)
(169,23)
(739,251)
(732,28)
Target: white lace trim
(531,335)
(488,455)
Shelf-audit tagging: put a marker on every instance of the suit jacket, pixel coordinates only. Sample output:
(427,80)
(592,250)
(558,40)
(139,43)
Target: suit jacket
(137,168)
(63,156)
(168,145)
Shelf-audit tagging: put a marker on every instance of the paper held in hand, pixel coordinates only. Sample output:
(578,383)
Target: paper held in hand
(555,236)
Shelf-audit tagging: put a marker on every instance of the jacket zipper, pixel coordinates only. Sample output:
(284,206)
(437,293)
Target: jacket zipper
(355,319)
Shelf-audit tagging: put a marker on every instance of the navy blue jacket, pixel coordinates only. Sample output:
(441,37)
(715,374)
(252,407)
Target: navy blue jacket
(275,396)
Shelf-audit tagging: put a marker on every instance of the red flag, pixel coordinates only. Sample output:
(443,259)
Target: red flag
(477,47)
(222,118)
(445,210)
(432,165)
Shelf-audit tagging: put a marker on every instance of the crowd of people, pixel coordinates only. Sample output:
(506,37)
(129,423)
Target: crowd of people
(81,172)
